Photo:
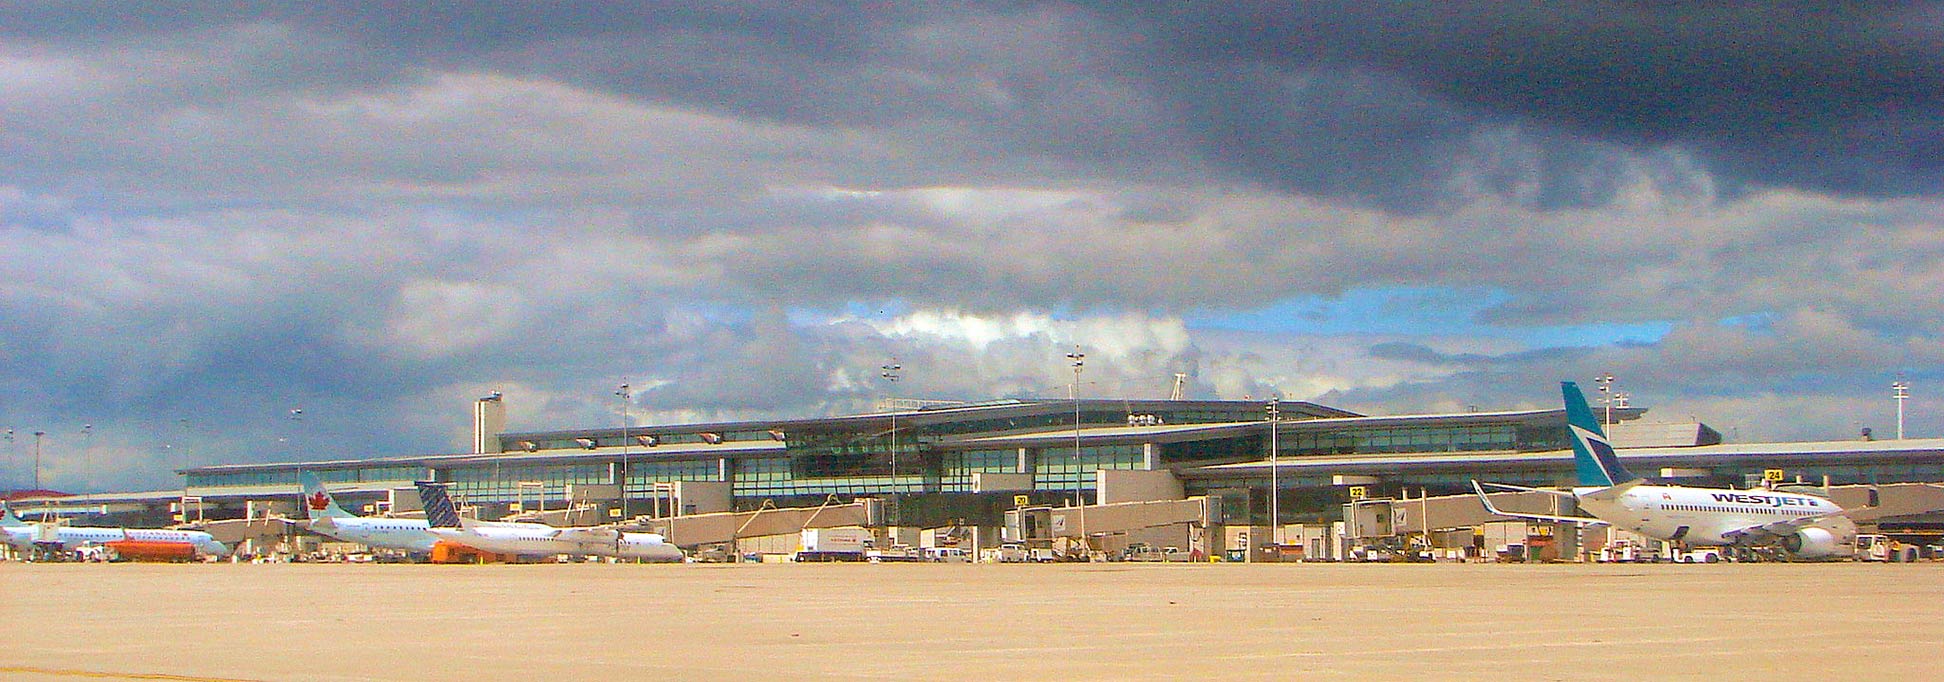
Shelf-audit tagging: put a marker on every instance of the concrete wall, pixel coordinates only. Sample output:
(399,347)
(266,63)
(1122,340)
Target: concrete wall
(489,419)
(1117,486)
(592,492)
(990,482)
(704,497)
(405,500)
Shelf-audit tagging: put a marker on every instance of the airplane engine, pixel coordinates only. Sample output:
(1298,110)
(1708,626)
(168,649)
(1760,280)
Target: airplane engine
(1811,543)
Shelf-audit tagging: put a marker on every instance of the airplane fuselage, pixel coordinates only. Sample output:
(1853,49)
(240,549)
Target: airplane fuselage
(1700,516)
(71,537)
(539,540)
(408,535)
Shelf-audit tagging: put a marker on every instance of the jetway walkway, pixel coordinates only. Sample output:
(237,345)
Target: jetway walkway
(694,530)
(1120,517)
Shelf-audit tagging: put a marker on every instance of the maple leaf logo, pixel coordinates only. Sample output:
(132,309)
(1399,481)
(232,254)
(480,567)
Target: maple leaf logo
(319,501)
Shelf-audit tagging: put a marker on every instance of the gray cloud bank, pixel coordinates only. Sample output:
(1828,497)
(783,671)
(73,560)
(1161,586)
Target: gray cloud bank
(213,213)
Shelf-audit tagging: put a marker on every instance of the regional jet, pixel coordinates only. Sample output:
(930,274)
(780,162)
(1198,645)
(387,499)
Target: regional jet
(535,539)
(377,532)
(1805,526)
(128,542)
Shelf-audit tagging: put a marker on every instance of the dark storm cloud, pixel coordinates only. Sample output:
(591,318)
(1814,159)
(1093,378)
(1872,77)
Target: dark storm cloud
(1386,104)
(1844,97)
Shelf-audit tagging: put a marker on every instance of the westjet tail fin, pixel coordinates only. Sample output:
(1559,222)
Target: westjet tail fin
(439,512)
(318,503)
(1593,457)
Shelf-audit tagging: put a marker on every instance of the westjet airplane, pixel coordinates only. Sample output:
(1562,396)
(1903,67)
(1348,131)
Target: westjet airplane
(1805,526)
(377,532)
(535,539)
(127,541)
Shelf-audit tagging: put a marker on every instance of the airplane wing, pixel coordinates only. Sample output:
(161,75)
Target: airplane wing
(1487,501)
(1768,532)
(1519,488)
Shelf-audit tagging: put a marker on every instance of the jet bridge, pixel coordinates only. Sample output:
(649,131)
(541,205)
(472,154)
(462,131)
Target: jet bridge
(693,530)
(1094,524)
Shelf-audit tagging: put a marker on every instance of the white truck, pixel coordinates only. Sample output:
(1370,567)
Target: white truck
(1009,553)
(833,544)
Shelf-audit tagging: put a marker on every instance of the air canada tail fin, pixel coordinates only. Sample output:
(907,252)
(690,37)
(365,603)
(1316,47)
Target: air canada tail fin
(8,520)
(1593,457)
(318,503)
(439,512)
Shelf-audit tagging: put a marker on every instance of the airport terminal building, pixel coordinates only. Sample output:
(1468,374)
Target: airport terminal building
(935,463)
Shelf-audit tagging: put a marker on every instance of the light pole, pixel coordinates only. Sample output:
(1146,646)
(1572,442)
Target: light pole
(1605,381)
(37,467)
(1079,360)
(289,439)
(88,442)
(1900,390)
(621,477)
(890,373)
(1275,488)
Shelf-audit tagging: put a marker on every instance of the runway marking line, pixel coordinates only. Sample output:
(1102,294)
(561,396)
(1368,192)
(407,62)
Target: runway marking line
(63,672)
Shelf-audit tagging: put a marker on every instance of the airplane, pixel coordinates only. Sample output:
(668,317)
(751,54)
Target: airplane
(1805,526)
(128,542)
(377,532)
(536,539)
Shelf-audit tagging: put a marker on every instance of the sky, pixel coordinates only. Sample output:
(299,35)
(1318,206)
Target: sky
(261,232)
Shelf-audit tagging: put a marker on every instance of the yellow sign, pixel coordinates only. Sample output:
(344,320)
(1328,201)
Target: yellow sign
(1021,500)
(614,513)
(514,507)
(1773,475)
(1357,492)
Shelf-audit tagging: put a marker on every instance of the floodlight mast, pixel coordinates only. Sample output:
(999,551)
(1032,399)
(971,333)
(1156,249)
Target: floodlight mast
(1079,360)
(890,373)
(621,477)
(1275,488)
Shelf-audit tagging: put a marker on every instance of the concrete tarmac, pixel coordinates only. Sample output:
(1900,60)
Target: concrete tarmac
(986,622)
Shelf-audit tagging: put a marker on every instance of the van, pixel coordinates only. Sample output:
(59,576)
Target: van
(947,555)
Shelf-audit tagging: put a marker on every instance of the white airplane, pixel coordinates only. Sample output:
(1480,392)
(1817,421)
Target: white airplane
(377,532)
(536,539)
(129,542)
(1805,526)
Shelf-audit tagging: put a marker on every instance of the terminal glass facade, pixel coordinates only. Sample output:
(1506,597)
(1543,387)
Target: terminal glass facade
(482,483)
(380,473)
(957,467)
(1060,469)
(1425,438)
